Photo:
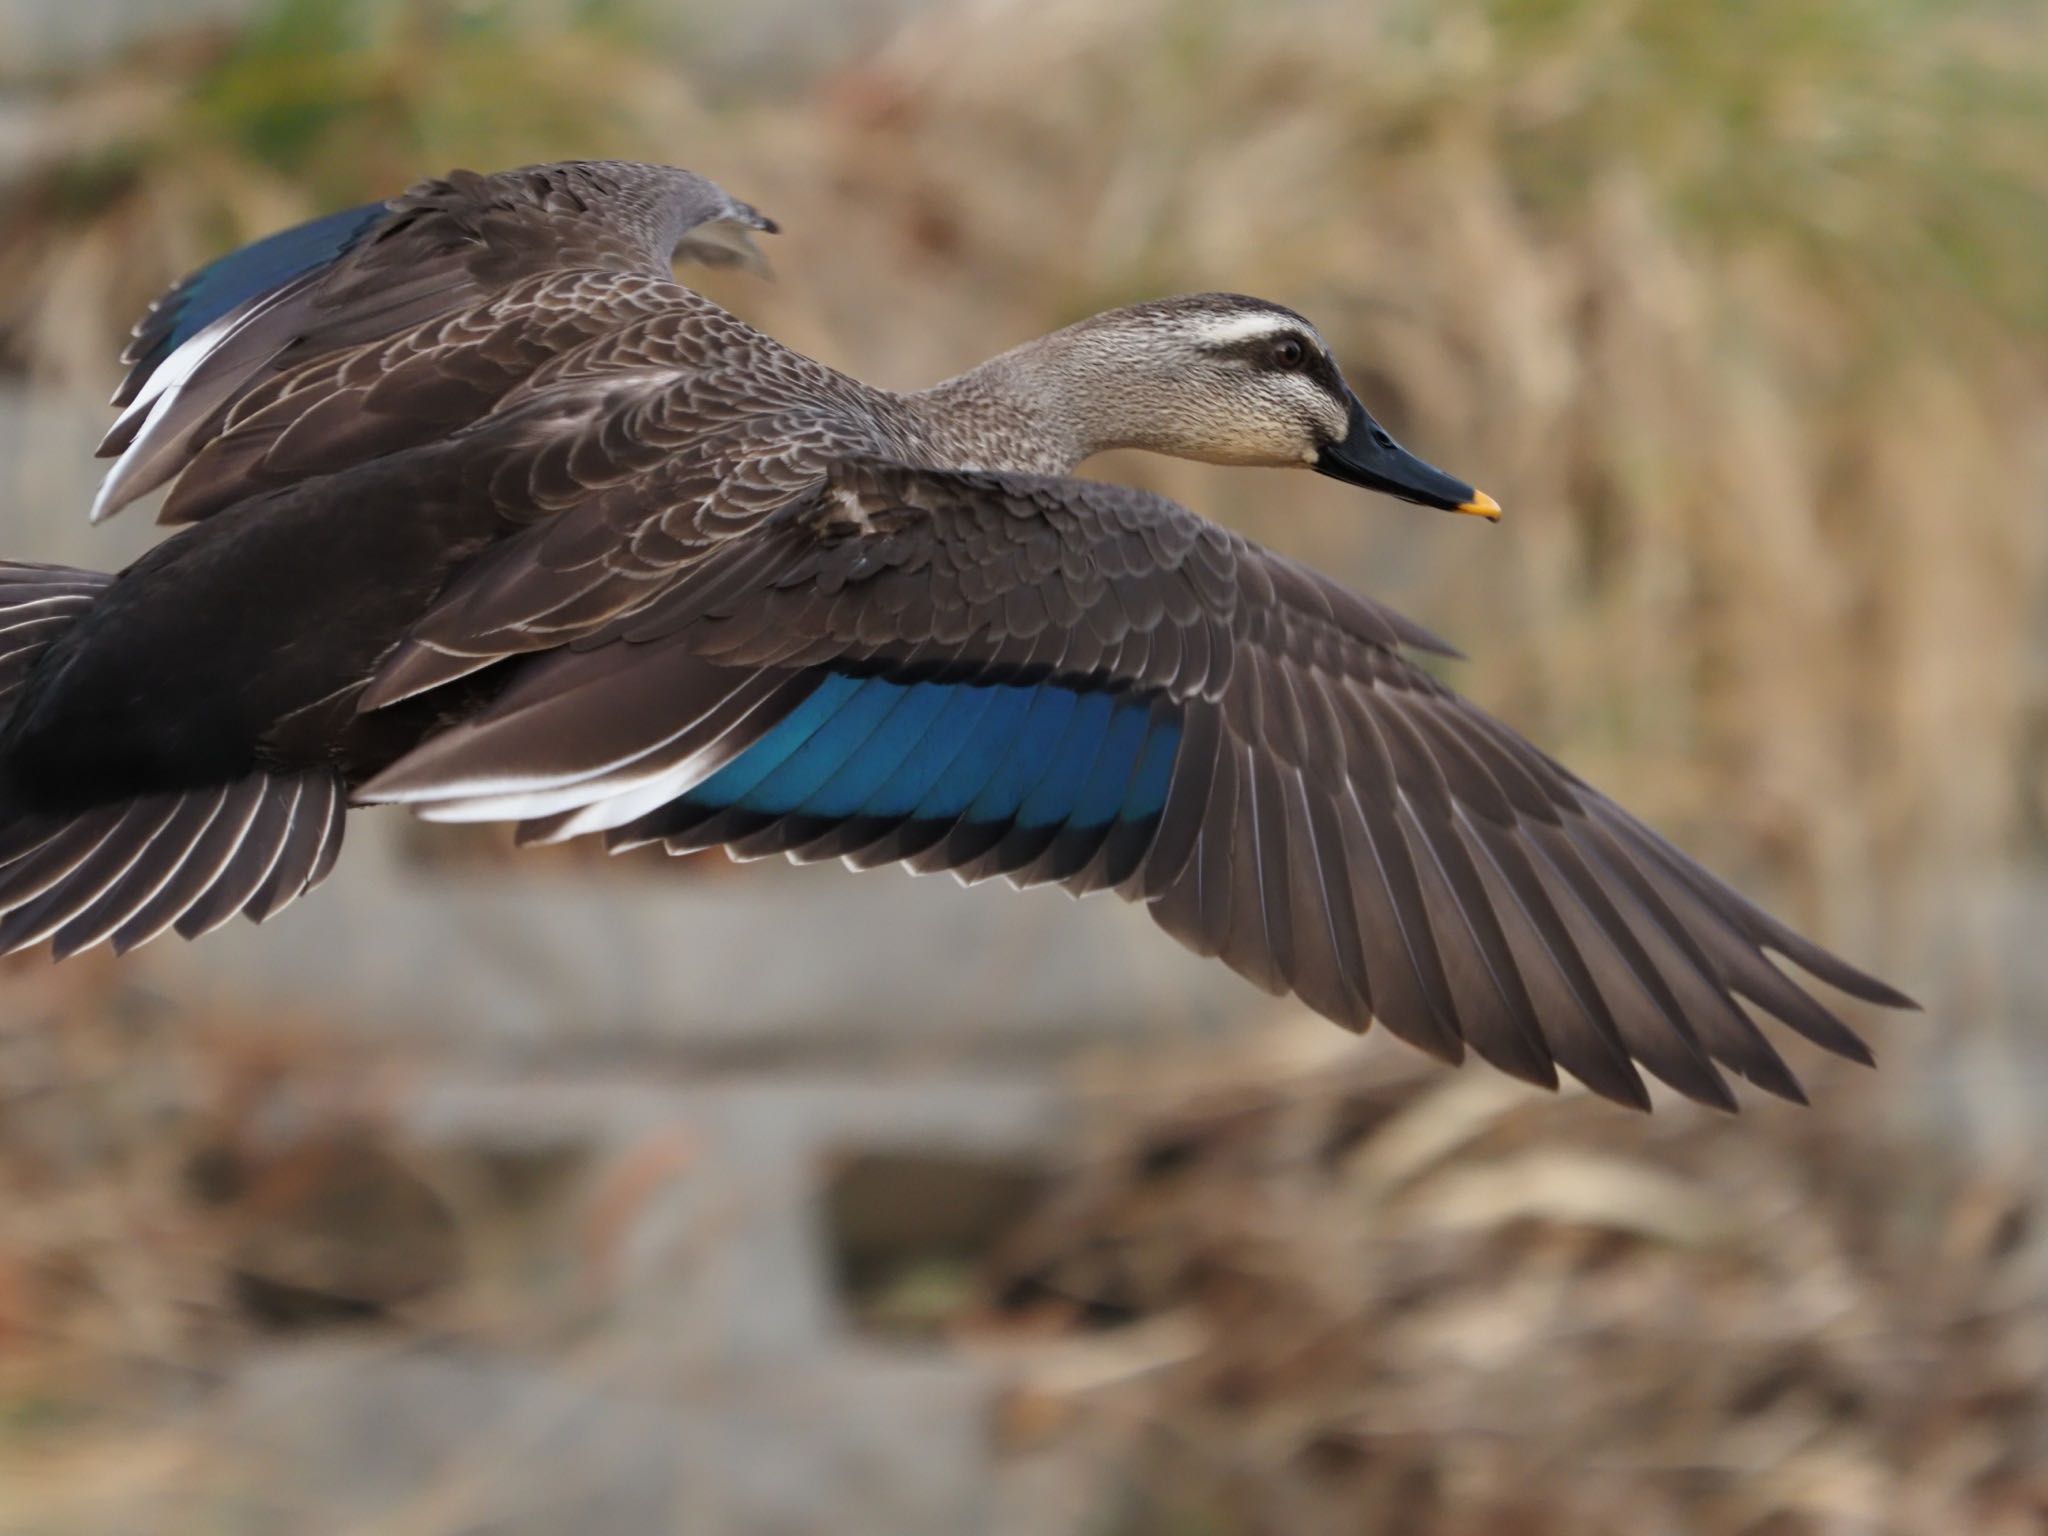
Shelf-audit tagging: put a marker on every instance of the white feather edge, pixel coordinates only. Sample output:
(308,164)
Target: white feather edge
(164,387)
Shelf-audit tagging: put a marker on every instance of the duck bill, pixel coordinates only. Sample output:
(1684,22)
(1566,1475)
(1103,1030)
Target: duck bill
(1370,457)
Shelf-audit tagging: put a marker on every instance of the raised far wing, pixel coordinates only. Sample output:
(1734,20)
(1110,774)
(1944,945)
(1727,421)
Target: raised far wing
(1054,680)
(373,330)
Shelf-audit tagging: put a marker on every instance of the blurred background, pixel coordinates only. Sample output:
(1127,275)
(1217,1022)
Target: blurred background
(491,1193)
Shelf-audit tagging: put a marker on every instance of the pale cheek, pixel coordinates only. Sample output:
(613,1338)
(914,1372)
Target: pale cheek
(1263,445)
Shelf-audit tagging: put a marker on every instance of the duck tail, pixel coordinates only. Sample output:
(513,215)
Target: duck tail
(127,869)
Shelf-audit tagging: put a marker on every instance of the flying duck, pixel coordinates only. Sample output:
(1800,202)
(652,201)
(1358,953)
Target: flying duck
(484,513)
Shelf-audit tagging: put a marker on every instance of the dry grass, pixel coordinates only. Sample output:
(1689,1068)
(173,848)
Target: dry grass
(1333,1301)
(183,1192)
(1276,1290)
(170,1182)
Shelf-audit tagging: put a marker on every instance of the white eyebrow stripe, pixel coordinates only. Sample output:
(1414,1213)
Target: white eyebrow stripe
(1221,330)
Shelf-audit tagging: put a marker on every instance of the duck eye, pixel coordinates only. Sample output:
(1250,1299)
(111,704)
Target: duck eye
(1288,352)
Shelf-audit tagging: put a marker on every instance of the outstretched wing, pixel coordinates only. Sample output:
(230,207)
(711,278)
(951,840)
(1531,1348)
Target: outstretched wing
(1059,681)
(384,326)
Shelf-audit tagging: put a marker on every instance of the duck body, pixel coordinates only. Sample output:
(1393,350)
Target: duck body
(176,679)
(489,515)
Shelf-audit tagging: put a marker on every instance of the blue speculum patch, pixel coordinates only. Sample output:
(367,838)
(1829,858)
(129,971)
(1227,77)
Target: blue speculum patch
(263,265)
(1040,755)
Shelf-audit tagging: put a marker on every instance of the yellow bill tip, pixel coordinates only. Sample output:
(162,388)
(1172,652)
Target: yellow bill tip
(1482,505)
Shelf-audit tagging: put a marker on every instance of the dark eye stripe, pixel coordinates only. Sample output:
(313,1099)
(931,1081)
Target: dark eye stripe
(1258,351)
(1324,372)
(1265,348)
(1316,366)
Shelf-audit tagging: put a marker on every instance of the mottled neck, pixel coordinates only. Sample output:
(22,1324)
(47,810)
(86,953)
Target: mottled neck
(1038,409)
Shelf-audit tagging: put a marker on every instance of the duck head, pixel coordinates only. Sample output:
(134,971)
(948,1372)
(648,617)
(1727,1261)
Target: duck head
(1226,379)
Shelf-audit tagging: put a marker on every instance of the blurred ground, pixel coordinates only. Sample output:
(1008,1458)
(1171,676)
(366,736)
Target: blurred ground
(491,1193)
